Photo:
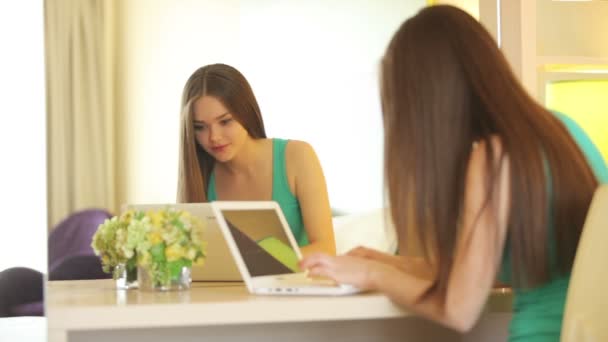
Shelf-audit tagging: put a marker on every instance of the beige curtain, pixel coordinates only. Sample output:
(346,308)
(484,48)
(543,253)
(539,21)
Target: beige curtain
(80,70)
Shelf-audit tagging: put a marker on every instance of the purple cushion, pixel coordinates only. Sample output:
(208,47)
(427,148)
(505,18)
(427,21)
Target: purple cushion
(28,309)
(19,285)
(73,235)
(77,267)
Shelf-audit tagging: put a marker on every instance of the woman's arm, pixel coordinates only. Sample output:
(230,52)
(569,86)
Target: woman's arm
(477,256)
(307,182)
(414,265)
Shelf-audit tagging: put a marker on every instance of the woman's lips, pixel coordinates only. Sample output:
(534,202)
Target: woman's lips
(219,149)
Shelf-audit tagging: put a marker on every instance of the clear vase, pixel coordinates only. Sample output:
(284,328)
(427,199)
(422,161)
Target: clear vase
(164,279)
(126,277)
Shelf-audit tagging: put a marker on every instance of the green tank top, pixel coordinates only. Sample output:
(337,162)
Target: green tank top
(538,312)
(281,193)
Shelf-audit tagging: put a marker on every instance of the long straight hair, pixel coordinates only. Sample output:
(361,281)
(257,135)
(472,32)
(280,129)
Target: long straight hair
(445,85)
(229,86)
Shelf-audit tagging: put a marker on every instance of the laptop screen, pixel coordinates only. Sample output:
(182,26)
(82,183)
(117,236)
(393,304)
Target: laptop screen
(261,241)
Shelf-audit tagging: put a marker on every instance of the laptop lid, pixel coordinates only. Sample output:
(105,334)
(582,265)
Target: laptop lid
(255,233)
(219,264)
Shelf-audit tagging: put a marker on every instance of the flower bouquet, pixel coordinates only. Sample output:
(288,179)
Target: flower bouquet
(159,247)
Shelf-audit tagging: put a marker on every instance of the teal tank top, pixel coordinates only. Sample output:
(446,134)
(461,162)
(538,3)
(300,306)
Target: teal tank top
(538,312)
(281,193)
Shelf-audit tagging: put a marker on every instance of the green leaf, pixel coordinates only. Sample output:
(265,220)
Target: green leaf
(177,223)
(132,263)
(158,252)
(132,269)
(139,215)
(175,267)
(161,275)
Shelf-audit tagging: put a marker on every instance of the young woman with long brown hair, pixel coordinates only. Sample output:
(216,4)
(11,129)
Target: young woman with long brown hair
(225,155)
(484,178)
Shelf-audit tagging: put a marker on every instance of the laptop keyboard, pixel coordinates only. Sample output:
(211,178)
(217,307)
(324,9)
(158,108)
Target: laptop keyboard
(306,281)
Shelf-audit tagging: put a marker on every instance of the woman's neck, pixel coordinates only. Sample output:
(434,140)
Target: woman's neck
(247,160)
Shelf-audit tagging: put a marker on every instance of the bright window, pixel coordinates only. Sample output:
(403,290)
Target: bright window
(22,136)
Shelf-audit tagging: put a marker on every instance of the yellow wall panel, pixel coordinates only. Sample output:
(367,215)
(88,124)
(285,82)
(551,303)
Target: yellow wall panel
(587,103)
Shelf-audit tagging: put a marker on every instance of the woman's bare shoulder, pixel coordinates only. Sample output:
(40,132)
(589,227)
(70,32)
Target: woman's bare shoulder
(298,151)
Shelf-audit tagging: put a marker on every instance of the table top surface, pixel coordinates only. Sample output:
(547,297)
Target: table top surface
(97,304)
(23,329)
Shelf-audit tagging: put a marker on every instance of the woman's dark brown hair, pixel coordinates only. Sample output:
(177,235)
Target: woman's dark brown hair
(230,87)
(445,85)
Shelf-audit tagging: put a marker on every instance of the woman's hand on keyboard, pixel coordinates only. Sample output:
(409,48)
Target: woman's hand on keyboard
(346,269)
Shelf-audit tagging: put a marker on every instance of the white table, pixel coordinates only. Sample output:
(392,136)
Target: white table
(23,329)
(93,310)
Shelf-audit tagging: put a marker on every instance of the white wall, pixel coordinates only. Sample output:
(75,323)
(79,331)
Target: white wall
(313,66)
(22,136)
(164,41)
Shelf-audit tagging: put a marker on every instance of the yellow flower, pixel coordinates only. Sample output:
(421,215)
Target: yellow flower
(127,216)
(174,252)
(191,254)
(156,217)
(155,237)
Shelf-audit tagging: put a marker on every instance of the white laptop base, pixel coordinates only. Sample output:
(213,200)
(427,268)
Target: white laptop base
(266,252)
(299,284)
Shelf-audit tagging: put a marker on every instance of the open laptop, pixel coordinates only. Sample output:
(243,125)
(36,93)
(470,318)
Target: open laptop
(265,250)
(219,264)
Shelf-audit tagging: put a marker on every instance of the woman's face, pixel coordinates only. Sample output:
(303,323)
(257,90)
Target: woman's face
(216,130)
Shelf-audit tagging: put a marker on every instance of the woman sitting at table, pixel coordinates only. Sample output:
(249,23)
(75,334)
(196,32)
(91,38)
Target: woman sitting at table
(225,155)
(484,177)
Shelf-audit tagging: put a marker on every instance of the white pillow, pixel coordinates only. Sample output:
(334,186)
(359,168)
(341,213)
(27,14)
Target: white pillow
(365,229)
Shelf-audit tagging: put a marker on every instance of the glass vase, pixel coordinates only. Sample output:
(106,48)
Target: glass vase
(162,278)
(126,277)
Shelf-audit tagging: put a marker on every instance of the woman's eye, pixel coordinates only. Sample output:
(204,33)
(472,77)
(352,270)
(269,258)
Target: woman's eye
(225,122)
(198,128)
